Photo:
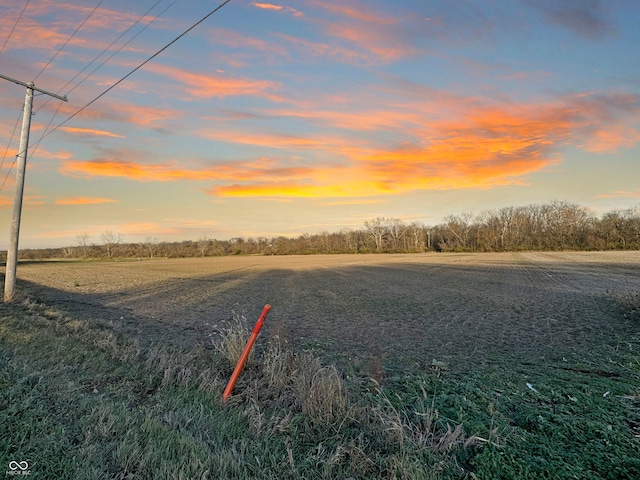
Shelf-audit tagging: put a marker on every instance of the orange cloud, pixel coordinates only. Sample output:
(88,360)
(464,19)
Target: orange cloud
(455,164)
(37,30)
(267,6)
(375,36)
(32,34)
(620,194)
(261,168)
(355,11)
(446,142)
(278,189)
(384,46)
(278,8)
(216,86)
(270,140)
(146,116)
(125,169)
(617,136)
(366,120)
(488,146)
(90,131)
(84,201)
(395,172)
(125,112)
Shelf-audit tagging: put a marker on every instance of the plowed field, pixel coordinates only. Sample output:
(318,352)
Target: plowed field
(401,311)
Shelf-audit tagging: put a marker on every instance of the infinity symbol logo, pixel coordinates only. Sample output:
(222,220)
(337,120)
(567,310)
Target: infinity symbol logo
(18,465)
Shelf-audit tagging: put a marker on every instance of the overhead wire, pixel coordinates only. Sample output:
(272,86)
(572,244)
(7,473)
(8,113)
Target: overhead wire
(15,126)
(47,133)
(68,39)
(41,71)
(107,49)
(46,129)
(137,68)
(14,26)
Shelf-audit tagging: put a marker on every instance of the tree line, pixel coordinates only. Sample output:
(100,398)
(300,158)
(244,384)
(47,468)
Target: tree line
(558,225)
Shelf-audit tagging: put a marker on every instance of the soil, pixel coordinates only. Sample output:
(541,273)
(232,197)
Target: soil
(465,311)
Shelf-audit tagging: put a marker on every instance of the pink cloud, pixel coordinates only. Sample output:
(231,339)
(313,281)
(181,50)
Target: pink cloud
(220,86)
(620,194)
(613,138)
(84,201)
(234,39)
(90,131)
(278,8)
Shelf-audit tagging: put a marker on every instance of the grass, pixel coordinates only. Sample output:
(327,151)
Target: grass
(78,401)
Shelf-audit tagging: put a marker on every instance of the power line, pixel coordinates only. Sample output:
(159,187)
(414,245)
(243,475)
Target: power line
(68,40)
(14,26)
(140,66)
(7,149)
(107,48)
(45,132)
(11,138)
(13,164)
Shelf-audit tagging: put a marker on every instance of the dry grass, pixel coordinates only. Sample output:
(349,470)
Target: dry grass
(423,431)
(231,339)
(283,387)
(320,391)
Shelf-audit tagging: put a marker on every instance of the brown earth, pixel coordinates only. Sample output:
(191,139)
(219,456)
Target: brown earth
(401,311)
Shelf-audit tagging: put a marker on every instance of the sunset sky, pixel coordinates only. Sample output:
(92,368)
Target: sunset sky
(314,115)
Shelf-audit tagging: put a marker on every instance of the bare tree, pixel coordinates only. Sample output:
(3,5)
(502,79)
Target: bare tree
(456,231)
(416,233)
(396,230)
(505,219)
(151,245)
(377,229)
(111,242)
(203,245)
(82,240)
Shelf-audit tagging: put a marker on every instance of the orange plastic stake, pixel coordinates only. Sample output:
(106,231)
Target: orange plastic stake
(245,353)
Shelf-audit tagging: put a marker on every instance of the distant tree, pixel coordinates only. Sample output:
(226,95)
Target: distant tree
(620,229)
(203,245)
(150,244)
(82,240)
(455,232)
(111,242)
(415,235)
(396,231)
(377,229)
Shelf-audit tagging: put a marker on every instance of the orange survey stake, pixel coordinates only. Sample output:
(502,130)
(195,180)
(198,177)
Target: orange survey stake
(245,353)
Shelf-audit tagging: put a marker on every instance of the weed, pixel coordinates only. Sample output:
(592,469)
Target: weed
(231,339)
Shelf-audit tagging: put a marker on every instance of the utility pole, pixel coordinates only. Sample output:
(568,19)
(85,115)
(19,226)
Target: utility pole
(12,252)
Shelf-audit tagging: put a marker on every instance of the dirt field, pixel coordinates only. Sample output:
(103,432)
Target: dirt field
(467,310)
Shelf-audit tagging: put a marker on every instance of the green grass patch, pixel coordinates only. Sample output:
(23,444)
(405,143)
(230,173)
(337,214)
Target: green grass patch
(78,401)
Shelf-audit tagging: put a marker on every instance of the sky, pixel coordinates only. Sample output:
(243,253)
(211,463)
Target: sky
(286,118)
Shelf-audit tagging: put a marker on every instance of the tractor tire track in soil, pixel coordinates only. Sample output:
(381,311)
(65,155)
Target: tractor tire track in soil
(404,310)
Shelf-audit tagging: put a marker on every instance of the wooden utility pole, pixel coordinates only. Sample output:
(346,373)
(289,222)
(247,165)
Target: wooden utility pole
(12,251)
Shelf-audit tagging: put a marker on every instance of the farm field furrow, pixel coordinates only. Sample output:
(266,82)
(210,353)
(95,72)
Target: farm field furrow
(404,311)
